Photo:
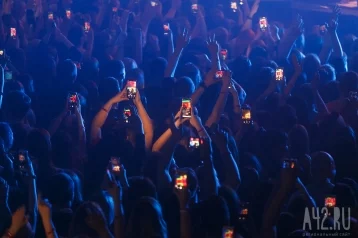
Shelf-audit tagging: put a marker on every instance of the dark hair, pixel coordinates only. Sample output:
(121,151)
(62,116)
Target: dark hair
(17,104)
(146,220)
(60,189)
(75,34)
(108,88)
(66,73)
(113,68)
(6,135)
(348,82)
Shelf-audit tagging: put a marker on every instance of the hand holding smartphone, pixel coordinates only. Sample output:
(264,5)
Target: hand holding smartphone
(228,232)
(279,74)
(87,27)
(166,28)
(223,54)
(153,3)
(50,16)
(263,24)
(219,74)
(13,32)
(330,201)
(194,8)
(233,6)
(181,181)
(68,14)
(115,164)
(195,142)
(72,100)
(186,108)
(131,89)
(246,116)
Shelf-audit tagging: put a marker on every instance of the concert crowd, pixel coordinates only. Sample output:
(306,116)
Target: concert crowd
(175,119)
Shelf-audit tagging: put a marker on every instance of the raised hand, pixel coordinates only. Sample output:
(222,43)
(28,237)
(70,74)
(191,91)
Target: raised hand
(219,137)
(183,39)
(213,45)
(298,27)
(44,209)
(121,96)
(18,220)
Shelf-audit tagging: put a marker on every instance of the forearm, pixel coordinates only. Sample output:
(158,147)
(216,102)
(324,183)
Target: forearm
(337,48)
(147,125)
(55,124)
(49,228)
(196,96)
(208,183)
(32,209)
(173,63)
(290,85)
(218,108)
(185,224)
(325,54)
(138,57)
(162,140)
(200,29)
(285,47)
(118,220)
(232,174)
(170,14)
(63,39)
(320,105)
(99,121)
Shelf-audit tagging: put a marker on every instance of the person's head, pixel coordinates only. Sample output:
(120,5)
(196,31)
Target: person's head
(80,226)
(60,190)
(183,87)
(322,167)
(138,75)
(156,71)
(215,215)
(39,146)
(298,141)
(66,73)
(129,64)
(6,135)
(241,68)
(344,195)
(16,105)
(105,201)
(330,91)
(76,35)
(114,69)
(311,65)
(146,220)
(108,88)
(192,71)
(348,82)
(285,117)
(89,70)
(221,35)
(326,74)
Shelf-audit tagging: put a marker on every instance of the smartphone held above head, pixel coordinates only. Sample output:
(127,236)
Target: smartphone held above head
(186,108)
(131,89)
(263,23)
(279,74)
(72,100)
(181,181)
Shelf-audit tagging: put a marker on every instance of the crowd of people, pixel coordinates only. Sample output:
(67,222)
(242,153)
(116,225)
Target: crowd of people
(175,118)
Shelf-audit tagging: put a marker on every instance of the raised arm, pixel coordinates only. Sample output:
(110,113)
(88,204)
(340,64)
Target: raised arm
(102,115)
(221,101)
(45,213)
(146,122)
(298,71)
(248,23)
(2,83)
(182,41)
(200,29)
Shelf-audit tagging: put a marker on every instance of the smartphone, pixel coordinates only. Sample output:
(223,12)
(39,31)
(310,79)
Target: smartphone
(233,6)
(114,9)
(87,26)
(241,2)
(186,108)
(72,100)
(289,164)
(50,15)
(330,201)
(194,8)
(279,74)
(181,181)
(2,53)
(115,163)
(13,32)
(263,23)
(131,89)
(22,155)
(127,114)
(223,54)
(68,14)
(153,3)
(244,213)
(195,142)
(219,74)
(8,75)
(166,28)
(228,232)
(246,116)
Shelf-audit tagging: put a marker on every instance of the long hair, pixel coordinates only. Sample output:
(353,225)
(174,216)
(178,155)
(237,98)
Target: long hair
(146,220)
